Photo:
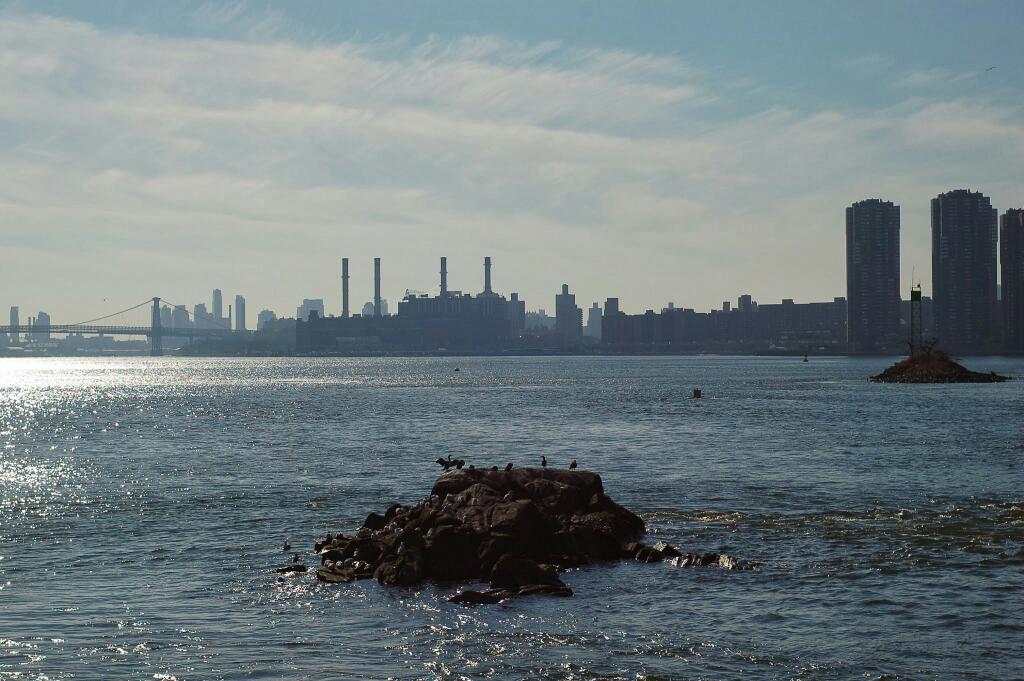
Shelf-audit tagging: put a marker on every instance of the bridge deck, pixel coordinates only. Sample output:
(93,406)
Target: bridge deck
(120,330)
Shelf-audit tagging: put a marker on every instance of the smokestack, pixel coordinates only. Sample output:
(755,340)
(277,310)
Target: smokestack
(344,288)
(487,274)
(444,276)
(376,287)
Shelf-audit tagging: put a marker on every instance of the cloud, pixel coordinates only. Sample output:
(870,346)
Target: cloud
(195,162)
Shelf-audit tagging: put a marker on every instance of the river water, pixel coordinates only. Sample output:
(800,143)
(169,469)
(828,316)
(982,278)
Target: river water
(144,503)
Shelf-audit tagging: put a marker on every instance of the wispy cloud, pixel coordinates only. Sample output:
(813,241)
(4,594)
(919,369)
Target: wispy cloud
(248,156)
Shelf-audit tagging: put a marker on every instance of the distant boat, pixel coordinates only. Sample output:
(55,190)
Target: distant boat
(805,358)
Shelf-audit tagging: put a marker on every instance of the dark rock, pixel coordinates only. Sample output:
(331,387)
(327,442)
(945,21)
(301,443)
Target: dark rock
(515,571)
(374,522)
(933,366)
(291,569)
(511,526)
(546,589)
(453,553)
(667,550)
(332,574)
(649,554)
(471,597)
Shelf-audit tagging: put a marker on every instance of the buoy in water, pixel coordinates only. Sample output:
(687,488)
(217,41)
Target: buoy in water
(696,393)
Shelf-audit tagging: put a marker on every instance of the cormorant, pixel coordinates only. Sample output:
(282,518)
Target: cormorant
(543,461)
(494,468)
(460,463)
(508,467)
(572,466)
(287,546)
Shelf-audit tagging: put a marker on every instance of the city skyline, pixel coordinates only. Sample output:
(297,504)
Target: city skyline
(658,169)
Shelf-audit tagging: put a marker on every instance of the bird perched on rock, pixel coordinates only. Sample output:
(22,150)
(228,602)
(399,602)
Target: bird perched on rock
(508,467)
(287,546)
(460,463)
(572,466)
(543,461)
(444,464)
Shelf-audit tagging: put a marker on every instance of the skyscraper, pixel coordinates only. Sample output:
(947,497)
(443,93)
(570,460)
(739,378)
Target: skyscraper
(200,317)
(1011,259)
(568,317)
(218,304)
(872,275)
(593,329)
(310,305)
(239,313)
(41,327)
(15,321)
(265,317)
(964,237)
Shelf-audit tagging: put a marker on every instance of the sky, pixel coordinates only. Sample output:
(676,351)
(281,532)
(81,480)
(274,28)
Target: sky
(658,151)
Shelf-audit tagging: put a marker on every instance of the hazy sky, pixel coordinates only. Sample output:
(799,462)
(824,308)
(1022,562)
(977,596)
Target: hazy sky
(660,151)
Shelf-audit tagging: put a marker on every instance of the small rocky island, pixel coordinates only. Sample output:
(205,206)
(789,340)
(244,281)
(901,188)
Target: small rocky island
(516,529)
(933,366)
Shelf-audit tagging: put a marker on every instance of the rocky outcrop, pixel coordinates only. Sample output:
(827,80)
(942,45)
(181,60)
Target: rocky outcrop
(933,366)
(515,529)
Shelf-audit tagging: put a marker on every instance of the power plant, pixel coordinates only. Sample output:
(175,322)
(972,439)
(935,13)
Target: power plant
(451,320)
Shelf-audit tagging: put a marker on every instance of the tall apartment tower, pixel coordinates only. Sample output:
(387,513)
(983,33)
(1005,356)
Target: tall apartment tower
(239,313)
(1011,260)
(568,317)
(964,237)
(15,320)
(872,275)
(218,304)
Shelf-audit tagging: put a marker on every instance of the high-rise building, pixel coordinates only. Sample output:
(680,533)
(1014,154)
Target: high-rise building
(165,317)
(15,321)
(218,304)
(179,318)
(239,313)
(568,317)
(310,305)
(264,318)
(41,327)
(200,317)
(1011,260)
(872,275)
(964,238)
(593,329)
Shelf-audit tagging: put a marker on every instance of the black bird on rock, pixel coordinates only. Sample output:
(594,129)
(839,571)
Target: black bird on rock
(543,461)
(572,466)
(450,463)
(287,546)
(508,467)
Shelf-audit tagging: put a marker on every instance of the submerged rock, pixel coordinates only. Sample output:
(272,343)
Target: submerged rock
(933,366)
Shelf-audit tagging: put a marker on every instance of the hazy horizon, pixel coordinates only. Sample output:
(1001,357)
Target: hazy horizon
(628,151)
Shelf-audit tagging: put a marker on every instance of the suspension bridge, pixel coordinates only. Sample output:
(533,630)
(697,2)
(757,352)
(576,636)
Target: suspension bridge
(155,332)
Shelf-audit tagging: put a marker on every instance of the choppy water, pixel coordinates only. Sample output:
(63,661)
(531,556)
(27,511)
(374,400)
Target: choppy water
(143,504)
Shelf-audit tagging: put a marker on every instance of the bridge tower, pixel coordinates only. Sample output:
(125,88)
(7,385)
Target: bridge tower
(156,341)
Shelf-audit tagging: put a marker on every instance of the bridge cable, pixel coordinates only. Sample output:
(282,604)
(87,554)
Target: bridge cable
(113,314)
(192,316)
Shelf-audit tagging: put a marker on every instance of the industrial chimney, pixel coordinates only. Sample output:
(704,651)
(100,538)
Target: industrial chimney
(344,288)
(444,276)
(487,275)
(376,287)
